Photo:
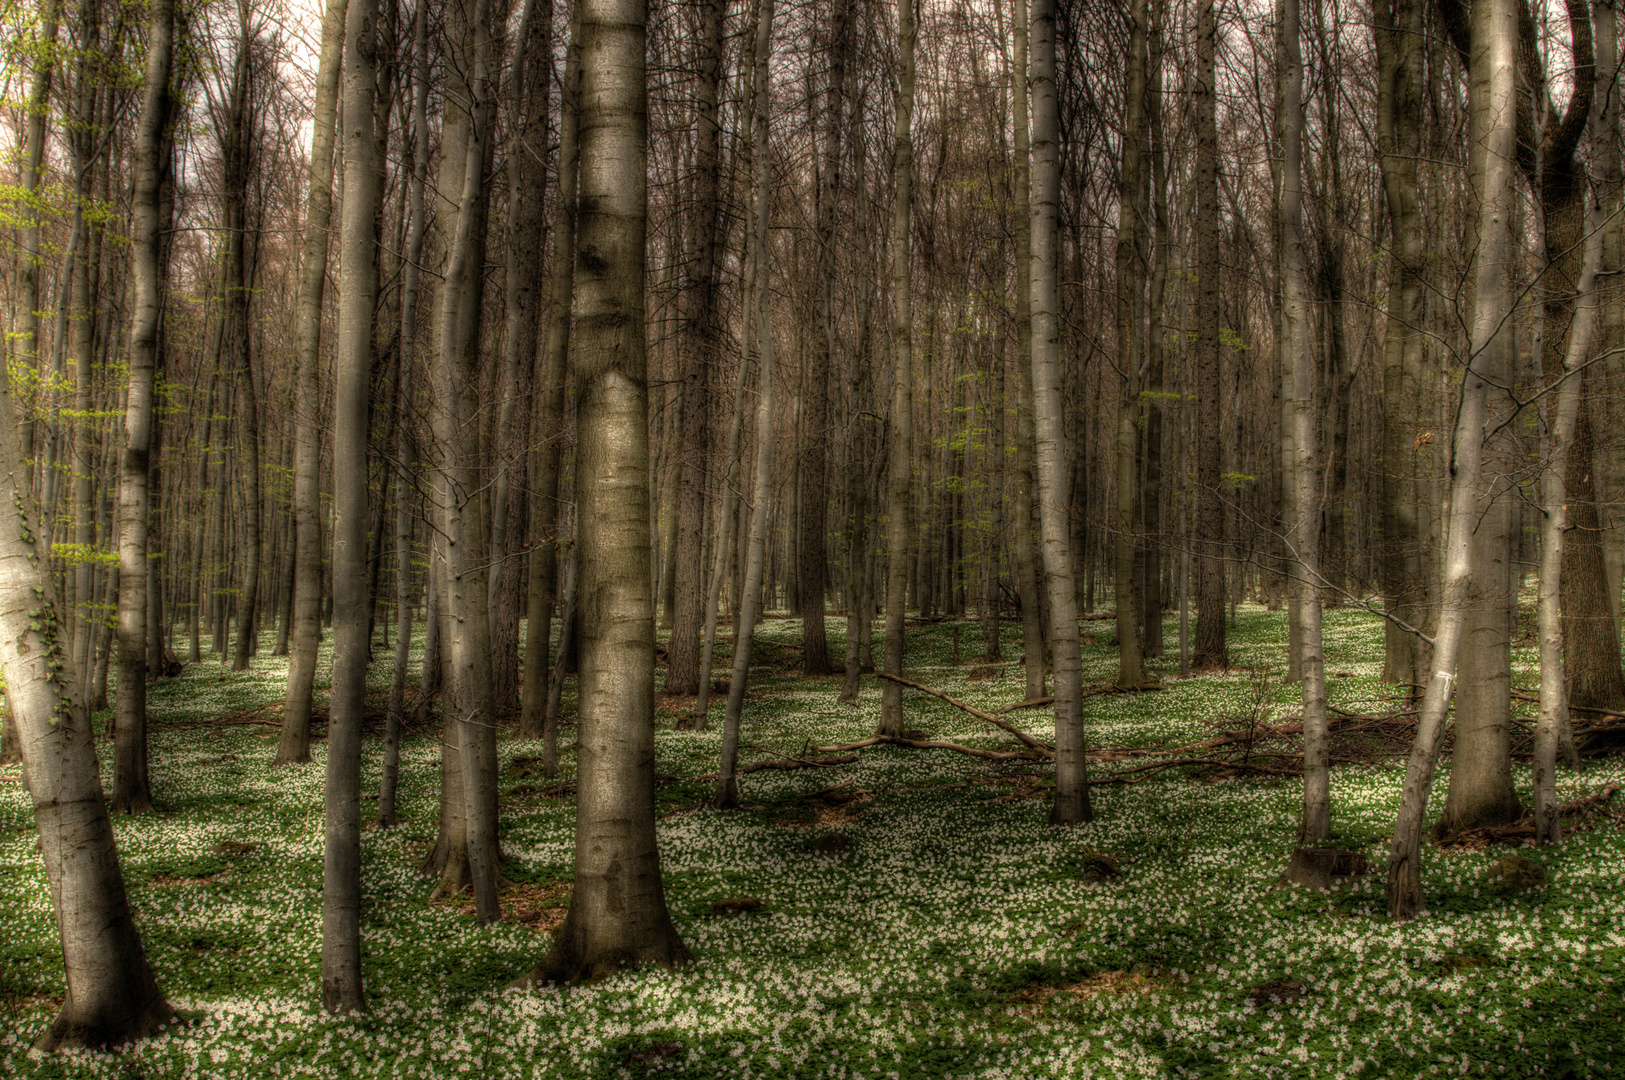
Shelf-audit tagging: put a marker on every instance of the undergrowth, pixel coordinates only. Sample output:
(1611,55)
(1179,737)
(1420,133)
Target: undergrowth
(950,933)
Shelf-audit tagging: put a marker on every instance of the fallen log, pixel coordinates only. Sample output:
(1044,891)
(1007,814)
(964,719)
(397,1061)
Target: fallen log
(786,762)
(985,717)
(1036,754)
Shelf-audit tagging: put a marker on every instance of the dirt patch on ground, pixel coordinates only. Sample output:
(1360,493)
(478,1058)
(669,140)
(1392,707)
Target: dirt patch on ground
(1032,1000)
(540,907)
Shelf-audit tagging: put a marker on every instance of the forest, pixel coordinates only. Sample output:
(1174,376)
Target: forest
(854,538)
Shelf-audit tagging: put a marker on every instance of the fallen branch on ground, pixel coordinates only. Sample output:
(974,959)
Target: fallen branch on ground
(985,717)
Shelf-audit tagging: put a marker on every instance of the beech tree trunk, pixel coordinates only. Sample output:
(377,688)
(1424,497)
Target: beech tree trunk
(900,492)
(294,744)
(1491,167)
(727,795)
(1210,650)
(1129,310)
(358,290)
(617,916)
(132,791)
(700,341)
(112,996)
(550,379)
(1298,387)
(1071,806)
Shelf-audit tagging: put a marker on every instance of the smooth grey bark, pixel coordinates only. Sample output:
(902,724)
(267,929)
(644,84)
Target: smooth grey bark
(1298,390)
(901,465)
(1557,437)
(546,460)
(235,152)
(727,795)
(1491,169)
(1071,806)
(699,721)
(469,749)
(1129,309)
(529,86)
(617,916)
(294,744)
(700,343)
(358,290)
(411,283)
(1398,30)
(132,791)
(112,996)
(26,316)
(1027,571)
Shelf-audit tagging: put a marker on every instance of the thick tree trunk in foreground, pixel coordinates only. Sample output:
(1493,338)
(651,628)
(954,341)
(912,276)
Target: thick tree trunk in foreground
(112,997)
(132,792)
(1209,532)
(358,289)
(1493,90)
(900,489)
(294,745)
(1071,805)
(617,915)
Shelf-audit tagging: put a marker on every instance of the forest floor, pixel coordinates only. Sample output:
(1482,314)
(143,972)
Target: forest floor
(951,933)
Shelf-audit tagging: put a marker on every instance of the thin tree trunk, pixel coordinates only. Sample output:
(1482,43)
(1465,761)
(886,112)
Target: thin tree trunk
(1557,440)
(1131,275)
(294,744)
(358,289)
(1298,386)
(550,380)
(1209,539)
(132,790)
(1071,806)
(727,795)
(900,495)
(700,341)
(26,317)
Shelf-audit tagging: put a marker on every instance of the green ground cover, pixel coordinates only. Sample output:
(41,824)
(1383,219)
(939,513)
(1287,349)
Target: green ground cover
(954,934)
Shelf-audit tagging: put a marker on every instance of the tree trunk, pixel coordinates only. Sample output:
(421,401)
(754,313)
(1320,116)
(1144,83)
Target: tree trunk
(550,379)
(358,290)
(1298,386)
(1129,307)
(1492,93)
(132,791)
(1557,441)
(1071,805)
(527,187)
(700,341)
(901,456)
(26,318)
(1027,572)
(1210,648)
(112,997)
(410,286)
(727,795)
(1399,37)
(294,744)
(617,915)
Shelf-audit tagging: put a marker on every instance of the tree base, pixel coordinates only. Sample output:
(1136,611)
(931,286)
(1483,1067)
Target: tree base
(74,1029)
(573,961)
